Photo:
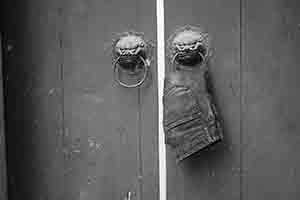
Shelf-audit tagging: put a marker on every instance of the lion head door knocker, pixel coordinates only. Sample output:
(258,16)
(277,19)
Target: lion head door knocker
(191,121)
(132,54)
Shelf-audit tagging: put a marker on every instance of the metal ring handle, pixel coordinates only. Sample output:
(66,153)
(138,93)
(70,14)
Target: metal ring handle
(117,77)
(204,58)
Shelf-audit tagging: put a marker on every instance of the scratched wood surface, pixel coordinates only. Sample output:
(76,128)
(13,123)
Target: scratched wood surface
(110,131)
(73,132)
(33,100)
(3,177)
(271,88)
(215,172)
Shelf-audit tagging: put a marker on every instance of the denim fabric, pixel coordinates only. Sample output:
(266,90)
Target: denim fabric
(191,122)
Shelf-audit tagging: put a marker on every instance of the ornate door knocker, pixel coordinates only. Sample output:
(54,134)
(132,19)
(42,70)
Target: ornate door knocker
(131,54)
(191,121)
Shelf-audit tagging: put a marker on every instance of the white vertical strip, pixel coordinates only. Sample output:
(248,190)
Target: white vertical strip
(160,76)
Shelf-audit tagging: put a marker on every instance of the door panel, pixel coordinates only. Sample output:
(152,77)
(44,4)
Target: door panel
(271,87)
(213,173)
(3,178)
(74,133)
(33,100)
(110,131)
(97,111)
(148,102)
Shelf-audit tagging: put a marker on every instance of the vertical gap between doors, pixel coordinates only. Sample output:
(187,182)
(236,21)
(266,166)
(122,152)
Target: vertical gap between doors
(160,76)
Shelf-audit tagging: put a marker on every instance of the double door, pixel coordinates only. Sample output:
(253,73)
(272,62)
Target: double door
(73,133)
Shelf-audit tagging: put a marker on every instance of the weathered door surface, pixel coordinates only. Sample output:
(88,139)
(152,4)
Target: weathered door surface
(271,85)
(3,178)
(255,71)
(73,133)
(214,173)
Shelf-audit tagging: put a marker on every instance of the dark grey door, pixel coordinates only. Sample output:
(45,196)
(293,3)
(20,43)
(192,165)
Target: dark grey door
(73,133)
(255,71)
(3,177)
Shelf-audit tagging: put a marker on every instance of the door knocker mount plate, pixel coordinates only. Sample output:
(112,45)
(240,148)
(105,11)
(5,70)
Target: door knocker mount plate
(132,55)
(189,46)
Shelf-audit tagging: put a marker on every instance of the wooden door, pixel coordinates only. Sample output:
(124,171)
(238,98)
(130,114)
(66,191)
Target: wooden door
(3,177)
(73,132)
(215,172)
(255,75)
(271,85)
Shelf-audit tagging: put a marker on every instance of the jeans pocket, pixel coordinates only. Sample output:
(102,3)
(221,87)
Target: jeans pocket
(179,105)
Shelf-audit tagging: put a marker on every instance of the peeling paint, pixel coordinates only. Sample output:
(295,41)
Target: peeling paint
(234,93)
(9,48)
(93,98)
(51,91)
(91,180)
(212,174)
(94,145)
